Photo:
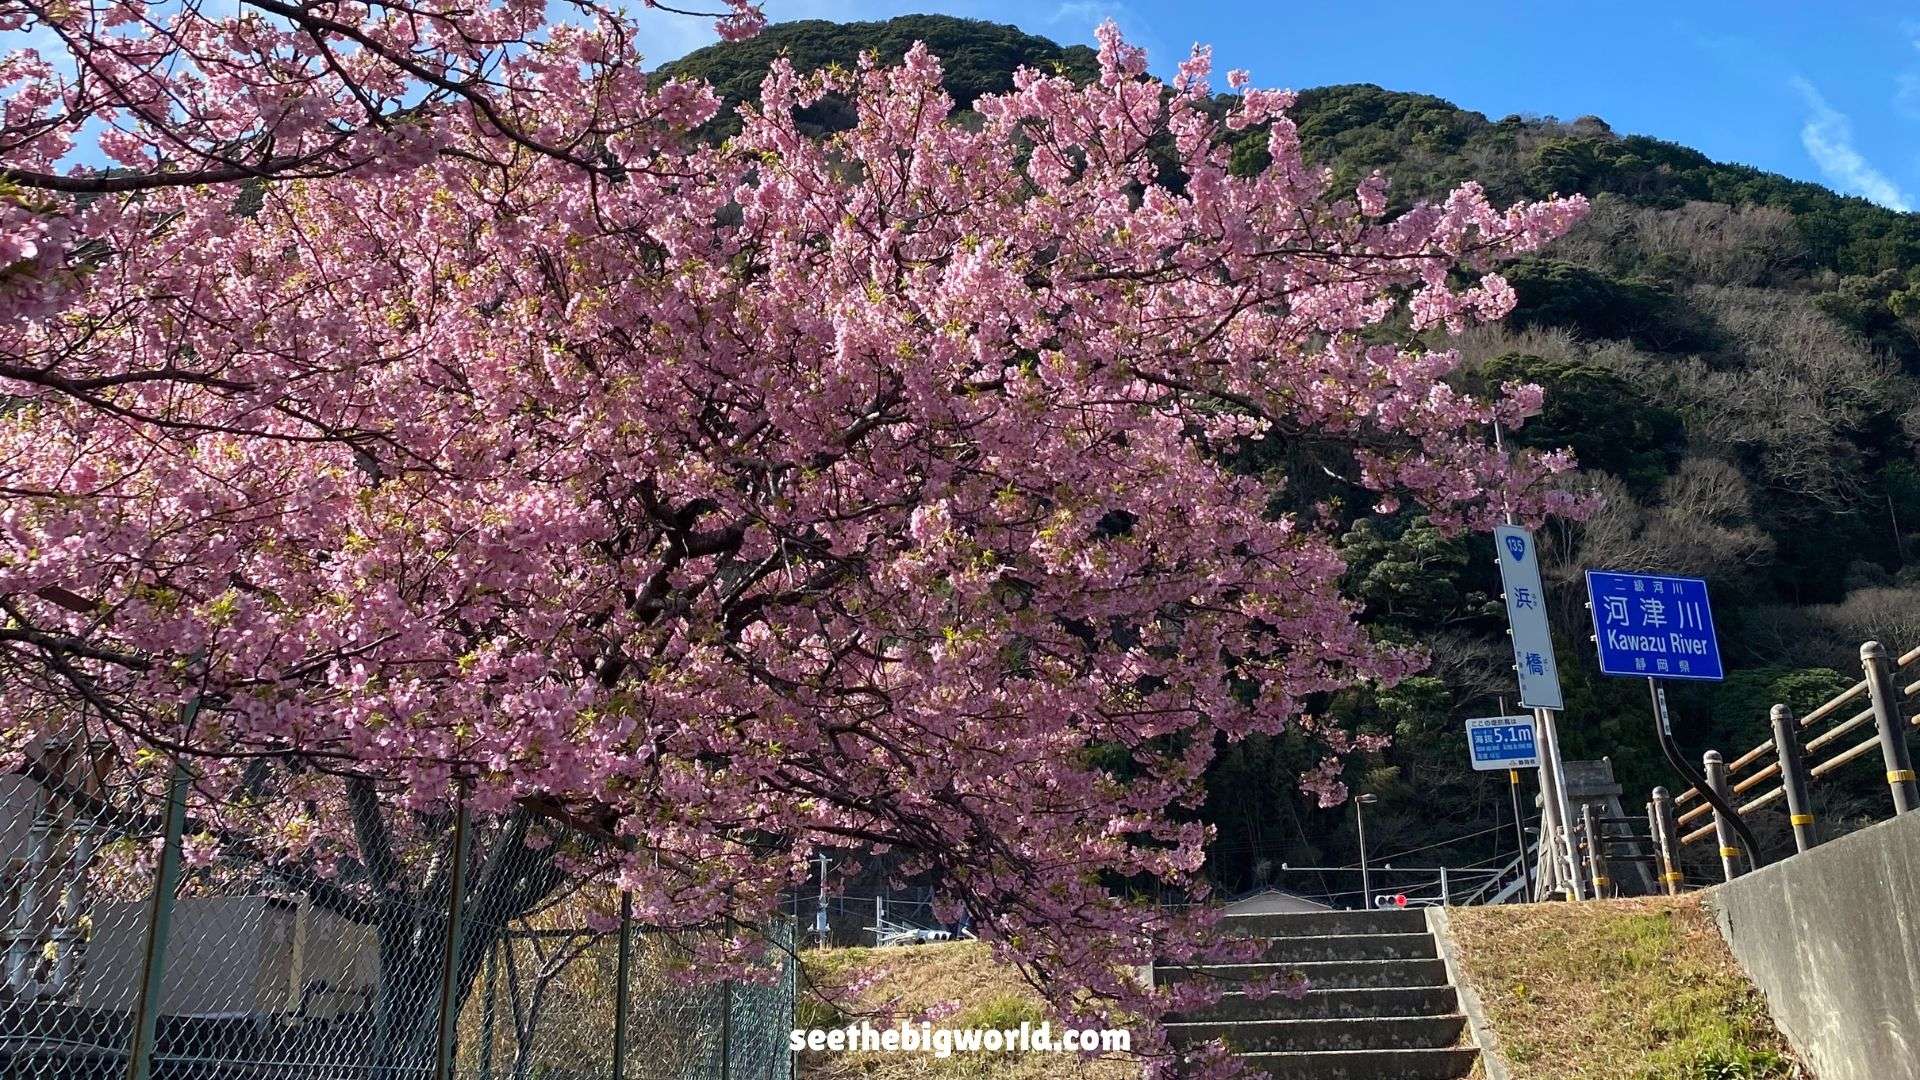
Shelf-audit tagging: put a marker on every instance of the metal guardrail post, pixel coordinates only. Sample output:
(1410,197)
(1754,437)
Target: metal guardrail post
(166,882)
(1666,838)
(1596,852)
(1653,844)
(450,951)
(622,990)
(1892,725)
(1581,858)
(1716,770)
(1793,778)
(1663,730)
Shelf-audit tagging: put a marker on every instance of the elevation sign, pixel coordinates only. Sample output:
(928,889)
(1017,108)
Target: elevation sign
(1653,626)
(1502,742)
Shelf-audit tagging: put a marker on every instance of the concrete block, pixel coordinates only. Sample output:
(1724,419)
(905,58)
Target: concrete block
(1323,974)
(1351,947)
(1448,1064)
(1390,1001)
(1376,1033)
(1321,923)
(1832,938)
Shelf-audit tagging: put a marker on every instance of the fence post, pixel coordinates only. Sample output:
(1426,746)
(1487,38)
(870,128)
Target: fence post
(450,951)
(1716,770)
(1596,851)
(1666,840)
(487,1010)
(622,990)
(1793,778)
(1887,714)
(1446,894)
(166,882)
(726,1029)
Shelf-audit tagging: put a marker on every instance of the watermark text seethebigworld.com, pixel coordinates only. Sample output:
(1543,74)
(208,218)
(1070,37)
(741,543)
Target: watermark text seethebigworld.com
(924,1038)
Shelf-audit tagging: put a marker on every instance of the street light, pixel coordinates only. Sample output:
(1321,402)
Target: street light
(1360,824)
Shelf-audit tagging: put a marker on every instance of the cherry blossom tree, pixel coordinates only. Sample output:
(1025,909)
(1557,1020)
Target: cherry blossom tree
(482,428)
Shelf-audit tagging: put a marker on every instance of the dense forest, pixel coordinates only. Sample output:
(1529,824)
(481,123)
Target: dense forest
(1733,355)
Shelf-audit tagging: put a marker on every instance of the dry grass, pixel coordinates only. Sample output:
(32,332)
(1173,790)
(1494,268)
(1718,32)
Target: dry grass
(1617,990)
(958,981)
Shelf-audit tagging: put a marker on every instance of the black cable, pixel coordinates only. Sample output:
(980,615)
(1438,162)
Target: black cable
(1720,805)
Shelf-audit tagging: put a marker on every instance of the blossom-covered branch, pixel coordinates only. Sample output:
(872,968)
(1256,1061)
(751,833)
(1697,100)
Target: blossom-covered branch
(737,501)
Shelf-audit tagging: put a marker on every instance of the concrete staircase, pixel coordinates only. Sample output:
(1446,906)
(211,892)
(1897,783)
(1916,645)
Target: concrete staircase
(1379,1006)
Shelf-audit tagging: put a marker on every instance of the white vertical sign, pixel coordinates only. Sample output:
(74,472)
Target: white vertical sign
(1527,615)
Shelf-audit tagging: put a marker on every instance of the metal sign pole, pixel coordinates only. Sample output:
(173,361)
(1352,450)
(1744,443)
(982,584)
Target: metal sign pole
(1366,881)
(1559,807)
(820,925)
(1539,680)
(1519,831)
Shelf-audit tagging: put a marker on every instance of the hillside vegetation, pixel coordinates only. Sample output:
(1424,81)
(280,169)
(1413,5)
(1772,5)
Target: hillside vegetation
(1734,355)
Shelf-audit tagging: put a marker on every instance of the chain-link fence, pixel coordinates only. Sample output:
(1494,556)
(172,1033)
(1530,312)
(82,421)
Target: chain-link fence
(438,944)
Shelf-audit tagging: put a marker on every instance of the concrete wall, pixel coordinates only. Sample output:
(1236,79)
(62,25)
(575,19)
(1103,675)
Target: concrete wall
(215,956)
(1832,938)
(233,956)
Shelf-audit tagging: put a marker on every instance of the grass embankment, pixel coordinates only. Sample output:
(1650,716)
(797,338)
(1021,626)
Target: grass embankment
(956,985)
(1617,990)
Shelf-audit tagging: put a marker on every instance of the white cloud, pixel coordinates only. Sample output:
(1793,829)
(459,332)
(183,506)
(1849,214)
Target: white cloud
(1828,137)
(1906,93)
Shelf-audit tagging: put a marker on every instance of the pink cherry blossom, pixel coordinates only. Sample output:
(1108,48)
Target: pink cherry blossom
(733,501)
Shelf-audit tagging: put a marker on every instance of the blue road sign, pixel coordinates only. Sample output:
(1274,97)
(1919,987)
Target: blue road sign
(1653,626)
(1502,742)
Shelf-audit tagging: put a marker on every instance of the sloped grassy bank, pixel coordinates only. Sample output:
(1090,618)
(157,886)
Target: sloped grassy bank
(960,983)
(1614,990)
(1639,989)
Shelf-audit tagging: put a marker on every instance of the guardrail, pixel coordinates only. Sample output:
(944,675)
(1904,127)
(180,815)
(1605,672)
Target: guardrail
(1791,762)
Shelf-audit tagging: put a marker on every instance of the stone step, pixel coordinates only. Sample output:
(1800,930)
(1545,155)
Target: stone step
(1427,1064)
(1321,923)
(1358,1002)
(1328,1033)
(1321,947)
(1320,974)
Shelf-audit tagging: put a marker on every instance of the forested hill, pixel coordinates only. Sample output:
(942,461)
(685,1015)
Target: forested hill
(1735,357)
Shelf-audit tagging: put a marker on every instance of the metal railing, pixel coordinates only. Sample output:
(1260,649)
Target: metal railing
(1789,759)
(147,936)
(1422,886)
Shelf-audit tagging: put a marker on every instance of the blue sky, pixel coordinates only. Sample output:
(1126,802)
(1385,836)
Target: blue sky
(1819,91)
